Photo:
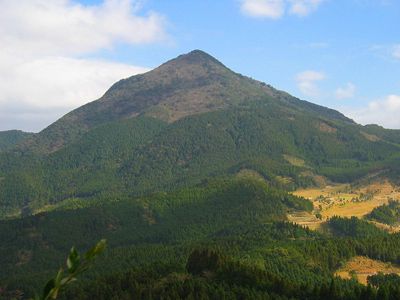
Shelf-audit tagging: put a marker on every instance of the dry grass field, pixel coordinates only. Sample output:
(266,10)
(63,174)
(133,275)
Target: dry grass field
(361,267)
(345,201)
(305,219)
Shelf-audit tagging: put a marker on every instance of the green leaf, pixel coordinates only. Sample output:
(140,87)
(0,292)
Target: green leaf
(96,250)
(75,266)
(67,280)
(48,287)
(57,280)
(73,260)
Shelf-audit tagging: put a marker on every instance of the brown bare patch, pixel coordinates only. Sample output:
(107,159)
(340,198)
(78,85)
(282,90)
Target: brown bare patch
(249,173)
(148,215)
(322,126)
(284,179)
(112,226)
(24,256)
(388,228)
(361,267)
(370,137)
(293,160)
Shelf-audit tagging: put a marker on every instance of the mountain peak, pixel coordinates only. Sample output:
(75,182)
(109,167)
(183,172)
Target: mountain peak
(196,61)
(197,56)
(189,84)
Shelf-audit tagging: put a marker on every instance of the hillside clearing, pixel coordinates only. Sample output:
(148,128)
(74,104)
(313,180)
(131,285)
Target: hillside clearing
(346,201)
(361,267)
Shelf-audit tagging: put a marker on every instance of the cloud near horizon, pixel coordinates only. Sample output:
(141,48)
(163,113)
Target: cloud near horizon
(45,55)
(275,9)
(53,86)
(383,111)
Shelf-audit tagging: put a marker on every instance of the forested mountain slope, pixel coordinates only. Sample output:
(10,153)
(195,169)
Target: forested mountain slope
(189,84)
(10,138)
(188,120)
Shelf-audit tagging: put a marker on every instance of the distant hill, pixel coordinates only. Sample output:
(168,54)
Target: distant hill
(186,121)
(10,138)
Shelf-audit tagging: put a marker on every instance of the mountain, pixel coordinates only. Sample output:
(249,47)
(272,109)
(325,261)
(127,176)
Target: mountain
(186,121)
(10,138)
(190,84)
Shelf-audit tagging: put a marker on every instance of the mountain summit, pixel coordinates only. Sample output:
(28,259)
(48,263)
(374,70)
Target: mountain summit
(190,84)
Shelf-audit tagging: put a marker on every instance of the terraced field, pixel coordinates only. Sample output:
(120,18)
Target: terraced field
(345,201)
(361,267)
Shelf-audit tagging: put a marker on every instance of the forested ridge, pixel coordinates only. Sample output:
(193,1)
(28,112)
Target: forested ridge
(151,240)
(9,139)
(387,214)
(144,155)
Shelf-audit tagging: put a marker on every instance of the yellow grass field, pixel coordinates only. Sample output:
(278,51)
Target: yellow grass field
(305,219)
(361,267)
(345,201)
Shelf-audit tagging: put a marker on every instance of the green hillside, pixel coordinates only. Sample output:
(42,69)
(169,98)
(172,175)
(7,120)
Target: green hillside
(9,139)
(139,230)
(151,241)
(184,122)
(143,155)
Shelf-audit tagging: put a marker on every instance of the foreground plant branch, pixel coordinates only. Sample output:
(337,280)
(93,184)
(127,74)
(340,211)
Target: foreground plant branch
(75,266)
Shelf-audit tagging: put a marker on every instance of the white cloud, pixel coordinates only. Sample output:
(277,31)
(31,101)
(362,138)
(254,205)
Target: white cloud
(43,45)
(346,92)
(396,51)
(275,9)
(55,84)
(387,51)
(64,27)
(61,82)
(384,112)
(303,7)
(307,82)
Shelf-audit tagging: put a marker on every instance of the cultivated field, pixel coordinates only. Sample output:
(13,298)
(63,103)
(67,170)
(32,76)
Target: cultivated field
(346,201)
(361,267)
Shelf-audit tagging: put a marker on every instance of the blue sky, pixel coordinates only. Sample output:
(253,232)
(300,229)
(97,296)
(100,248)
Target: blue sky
(343,54)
